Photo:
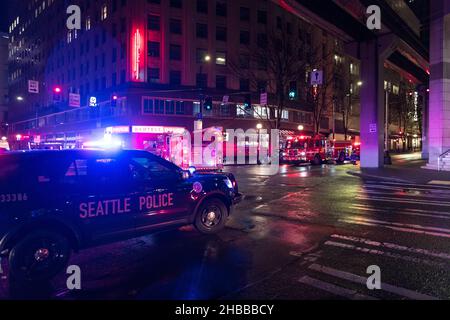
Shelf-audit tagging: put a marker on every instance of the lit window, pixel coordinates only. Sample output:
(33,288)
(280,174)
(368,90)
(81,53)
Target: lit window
(221,58)
(88,23)
(69,36)
(104,12)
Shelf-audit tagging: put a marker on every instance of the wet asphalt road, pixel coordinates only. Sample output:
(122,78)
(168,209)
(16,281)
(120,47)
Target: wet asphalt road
(306,233)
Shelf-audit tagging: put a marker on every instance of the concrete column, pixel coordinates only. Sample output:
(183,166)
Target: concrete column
(373,54)
(439,104)
(425,127)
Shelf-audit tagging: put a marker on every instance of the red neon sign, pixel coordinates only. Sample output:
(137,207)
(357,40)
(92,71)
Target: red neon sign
(137,53)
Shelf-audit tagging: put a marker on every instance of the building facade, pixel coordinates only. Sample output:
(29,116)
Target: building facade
(4,41)
(151,63)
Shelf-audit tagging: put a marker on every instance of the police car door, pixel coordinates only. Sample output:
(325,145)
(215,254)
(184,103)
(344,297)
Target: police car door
(163,194)
(101,196)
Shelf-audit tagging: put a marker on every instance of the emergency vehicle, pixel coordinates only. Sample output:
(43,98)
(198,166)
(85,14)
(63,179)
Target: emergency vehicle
(318,149)
(53,203)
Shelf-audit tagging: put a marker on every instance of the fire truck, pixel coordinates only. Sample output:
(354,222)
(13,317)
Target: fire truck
(317,150)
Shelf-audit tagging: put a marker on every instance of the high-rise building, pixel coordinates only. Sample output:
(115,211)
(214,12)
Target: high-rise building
(4,40)
(151,63)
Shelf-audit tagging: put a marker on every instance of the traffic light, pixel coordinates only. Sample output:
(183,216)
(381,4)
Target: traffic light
(248,102)
(114,99)
(208,105)
(293,90)
(57,93)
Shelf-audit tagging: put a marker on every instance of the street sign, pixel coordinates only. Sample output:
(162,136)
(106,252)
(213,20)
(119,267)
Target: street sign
(225,99)
(74,100)
(263,99)
(317,78)
(92,101)
(33,86)
(373,128)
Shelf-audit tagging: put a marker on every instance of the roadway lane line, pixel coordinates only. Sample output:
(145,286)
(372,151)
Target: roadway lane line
(401,195)
(410,201)
(445,216)
(334,289)
(373,243)
(362,280)
(402,229)
(435,191)
(387,254)
(407,225)
(427,186)
(360,205)
(439,182)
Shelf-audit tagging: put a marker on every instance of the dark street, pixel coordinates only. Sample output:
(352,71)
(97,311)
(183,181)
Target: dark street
(307,233)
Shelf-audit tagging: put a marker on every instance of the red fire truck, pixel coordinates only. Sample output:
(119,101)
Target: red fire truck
(316,150)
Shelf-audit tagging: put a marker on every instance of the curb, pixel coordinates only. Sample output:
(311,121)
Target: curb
(366,176)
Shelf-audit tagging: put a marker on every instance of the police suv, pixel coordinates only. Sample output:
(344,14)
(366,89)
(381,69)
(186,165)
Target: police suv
(56,202)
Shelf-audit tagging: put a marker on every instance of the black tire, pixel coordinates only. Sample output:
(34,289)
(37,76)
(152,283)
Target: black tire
(317,161)
(39,256)
(207,223)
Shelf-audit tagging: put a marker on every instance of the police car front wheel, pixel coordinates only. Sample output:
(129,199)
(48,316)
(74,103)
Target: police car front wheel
(211,216)
(41,255)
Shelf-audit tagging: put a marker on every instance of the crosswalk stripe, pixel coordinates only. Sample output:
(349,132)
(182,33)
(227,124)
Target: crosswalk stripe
(382,187)
(395,212)
(427,186)
(402,229)
(402,195)
(394,246)
(410,201)
(334,289)
(361,280)
(439,182)
(404,209)
(387,254)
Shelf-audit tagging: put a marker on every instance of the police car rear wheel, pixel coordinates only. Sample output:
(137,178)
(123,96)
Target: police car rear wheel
(39,256)
(211,216)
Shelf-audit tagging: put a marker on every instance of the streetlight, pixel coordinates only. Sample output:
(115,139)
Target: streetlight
(259,126)
(300,128)
(19,98)
(359,83)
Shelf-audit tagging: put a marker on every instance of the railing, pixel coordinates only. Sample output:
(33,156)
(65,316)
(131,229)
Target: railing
(441,157)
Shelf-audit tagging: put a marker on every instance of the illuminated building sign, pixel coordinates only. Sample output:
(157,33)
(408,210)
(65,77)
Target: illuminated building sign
(117,130)
(137,58)
(157,129)
(92,101)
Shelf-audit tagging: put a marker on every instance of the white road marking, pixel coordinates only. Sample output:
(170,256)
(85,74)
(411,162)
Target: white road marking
(362,280)
(434,254)
(410,201)
(402,229)
(428,186)
(404,209)
(384,254)
(402,194)
(445,216)
(439,182)
(334,289)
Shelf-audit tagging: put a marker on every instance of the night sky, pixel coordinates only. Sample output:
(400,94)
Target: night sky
(4,19)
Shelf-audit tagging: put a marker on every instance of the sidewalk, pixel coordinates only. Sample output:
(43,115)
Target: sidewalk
(406,168)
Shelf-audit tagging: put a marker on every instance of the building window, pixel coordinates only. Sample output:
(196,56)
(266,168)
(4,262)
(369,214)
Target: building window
(154,1)
(154,22)
(153,49)
(279,23)
(175,78)
(153,74)
(123,25)
(175,26)
(221,58)
(244,84)
(221,9)
(201,80)
(159,106)
(244,37)
(104,15)
(175,52)
(262,17)
(244,61)
(202,6)
(221,34)
(221,82)
(201,54)
(262,40)
(179,107)
(148,107)
(170,107)
(244,14)
(202,30)
(176,3)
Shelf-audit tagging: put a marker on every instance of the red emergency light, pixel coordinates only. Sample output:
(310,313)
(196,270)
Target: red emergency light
(57,89)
